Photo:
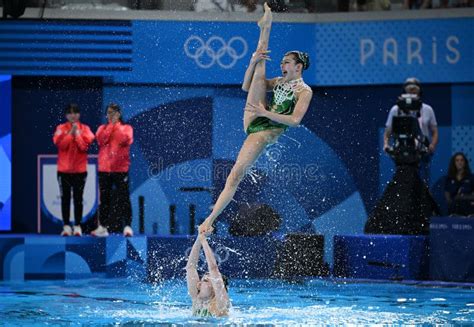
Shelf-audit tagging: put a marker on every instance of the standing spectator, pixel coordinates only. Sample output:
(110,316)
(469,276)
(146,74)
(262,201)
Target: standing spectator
(310,5)
(452,3)
(427,121)
(372,5)
(343,5)
(227,6)
(72,139)
(459,184)
(278,5)
(247,6)
(114,139)
(212,6)
(416,4)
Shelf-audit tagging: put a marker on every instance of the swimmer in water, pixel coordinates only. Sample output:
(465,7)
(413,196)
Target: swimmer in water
(209,294)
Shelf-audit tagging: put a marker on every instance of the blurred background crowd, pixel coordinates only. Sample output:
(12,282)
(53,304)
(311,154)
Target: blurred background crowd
(296,6)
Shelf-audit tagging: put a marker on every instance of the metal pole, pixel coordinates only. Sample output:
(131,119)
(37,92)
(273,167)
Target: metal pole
(141,214)
(192,219)
(172,219)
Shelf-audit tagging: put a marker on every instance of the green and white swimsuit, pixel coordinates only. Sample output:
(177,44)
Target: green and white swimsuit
(283,102)
(202,312)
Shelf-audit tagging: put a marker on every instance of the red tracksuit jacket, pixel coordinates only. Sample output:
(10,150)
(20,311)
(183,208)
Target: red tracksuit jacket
(72,149)
(114,147)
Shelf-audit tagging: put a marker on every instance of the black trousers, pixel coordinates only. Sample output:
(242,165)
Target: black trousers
(115,209)
(74,182)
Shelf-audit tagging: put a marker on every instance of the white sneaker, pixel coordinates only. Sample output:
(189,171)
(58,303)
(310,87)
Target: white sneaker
(77,230)
(128,231)
(67,231)
(100,231)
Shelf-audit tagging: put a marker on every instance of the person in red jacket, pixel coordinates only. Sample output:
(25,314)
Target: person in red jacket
(114,139)
(72,139)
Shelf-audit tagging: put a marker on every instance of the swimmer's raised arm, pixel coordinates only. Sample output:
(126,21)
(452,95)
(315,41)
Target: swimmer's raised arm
(257,56)
(210,258)
(216,278)
(290,120)
(192,276)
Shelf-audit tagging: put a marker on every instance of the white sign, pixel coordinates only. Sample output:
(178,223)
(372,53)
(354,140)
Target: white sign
(51,194)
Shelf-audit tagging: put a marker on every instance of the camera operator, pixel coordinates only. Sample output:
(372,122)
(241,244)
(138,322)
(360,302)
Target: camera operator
(426,119)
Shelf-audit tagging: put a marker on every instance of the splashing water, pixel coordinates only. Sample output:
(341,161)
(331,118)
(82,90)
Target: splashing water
(253,174)
(298,144)
(116,301)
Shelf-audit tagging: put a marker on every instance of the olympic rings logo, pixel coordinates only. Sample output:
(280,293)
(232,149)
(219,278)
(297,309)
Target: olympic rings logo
(215,50)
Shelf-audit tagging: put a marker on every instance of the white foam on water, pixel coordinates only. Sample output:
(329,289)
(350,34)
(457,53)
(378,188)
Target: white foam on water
(314,314)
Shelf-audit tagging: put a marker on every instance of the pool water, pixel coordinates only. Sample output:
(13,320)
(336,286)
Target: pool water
(123,301)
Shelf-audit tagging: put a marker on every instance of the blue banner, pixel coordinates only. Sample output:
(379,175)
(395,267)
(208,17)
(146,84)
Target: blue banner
(5,153)
(207,53)
(179,52)
(386,52)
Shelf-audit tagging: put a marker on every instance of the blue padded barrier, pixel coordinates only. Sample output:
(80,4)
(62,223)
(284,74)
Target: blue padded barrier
(452,249)
(45,257)
(393,257)
(126,256)
(167,257)
(237,257)
(25,257)
(85,257)
(247,257)
(12,258)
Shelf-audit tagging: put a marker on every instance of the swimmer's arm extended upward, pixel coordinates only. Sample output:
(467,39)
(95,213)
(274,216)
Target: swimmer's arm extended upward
(216,277)
(192,276)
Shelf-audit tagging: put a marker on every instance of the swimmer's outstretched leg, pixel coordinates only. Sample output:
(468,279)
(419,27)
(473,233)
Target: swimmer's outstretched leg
(252,148)
(258,87)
